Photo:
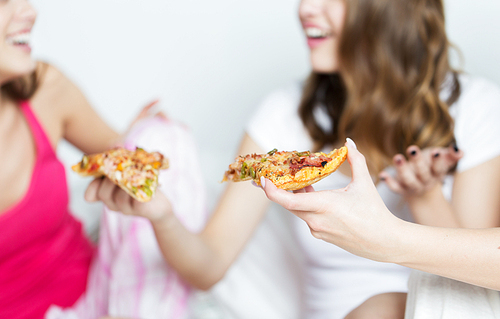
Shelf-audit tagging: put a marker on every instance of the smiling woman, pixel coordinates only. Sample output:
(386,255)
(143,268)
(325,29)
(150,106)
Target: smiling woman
(44,254)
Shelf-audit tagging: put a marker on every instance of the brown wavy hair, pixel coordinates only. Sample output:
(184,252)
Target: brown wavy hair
(24,87)
(393,58)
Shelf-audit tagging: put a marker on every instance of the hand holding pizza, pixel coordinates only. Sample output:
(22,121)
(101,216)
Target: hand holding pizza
(126,181)
(117,199)
(353,218)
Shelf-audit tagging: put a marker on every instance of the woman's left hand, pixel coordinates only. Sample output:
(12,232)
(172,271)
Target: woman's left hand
(116,199)
(423,171)
(147,111)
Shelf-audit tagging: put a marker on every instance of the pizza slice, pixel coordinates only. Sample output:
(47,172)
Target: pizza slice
(136,172)
(287,170)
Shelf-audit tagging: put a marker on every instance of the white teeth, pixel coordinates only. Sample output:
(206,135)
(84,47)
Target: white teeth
(316,33)
(21,38)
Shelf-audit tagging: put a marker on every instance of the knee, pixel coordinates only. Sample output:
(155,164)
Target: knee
(382,306)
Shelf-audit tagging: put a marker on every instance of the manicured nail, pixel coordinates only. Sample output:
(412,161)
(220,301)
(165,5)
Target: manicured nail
(455,147)
(436,155)
(413,153)
(262,182)
(351,143)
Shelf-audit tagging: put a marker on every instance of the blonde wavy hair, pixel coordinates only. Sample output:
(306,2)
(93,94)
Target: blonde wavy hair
(393,64)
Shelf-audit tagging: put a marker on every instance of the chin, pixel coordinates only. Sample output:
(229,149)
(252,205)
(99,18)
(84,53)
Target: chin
(326,66)
(324,69)
(17,70)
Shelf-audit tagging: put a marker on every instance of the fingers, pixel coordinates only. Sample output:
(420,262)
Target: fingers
(421,170)
(161,115)
(145,110)
(392,183)
(357,162)
(406,174)
(304,200)
(116,199)
(445,160)
(122,202)
(441,163)
(307,189)
(421,161)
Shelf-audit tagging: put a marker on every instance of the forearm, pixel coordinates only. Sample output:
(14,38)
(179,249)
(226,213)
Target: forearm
(188,253)
(203,259)
(469,255)
(432,209)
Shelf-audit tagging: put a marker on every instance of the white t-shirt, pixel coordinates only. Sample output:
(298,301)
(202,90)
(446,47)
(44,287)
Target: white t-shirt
(432,296)
(335,280)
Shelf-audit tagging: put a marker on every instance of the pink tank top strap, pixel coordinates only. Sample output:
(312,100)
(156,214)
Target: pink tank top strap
(42,142)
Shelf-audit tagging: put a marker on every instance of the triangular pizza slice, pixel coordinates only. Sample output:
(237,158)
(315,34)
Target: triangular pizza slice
(136,172)
(287,170)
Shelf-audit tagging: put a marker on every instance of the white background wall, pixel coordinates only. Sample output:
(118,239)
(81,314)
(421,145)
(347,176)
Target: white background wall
(210,62)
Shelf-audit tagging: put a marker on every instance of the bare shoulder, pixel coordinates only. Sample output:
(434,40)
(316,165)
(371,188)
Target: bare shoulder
(55,92)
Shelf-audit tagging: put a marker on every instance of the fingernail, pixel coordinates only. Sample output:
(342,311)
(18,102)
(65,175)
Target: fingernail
(413,153)
(262,181)
(399,161)
(455,147)
(436,155)
(382,178)
(351,143)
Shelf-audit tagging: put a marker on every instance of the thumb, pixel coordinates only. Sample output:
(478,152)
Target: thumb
(357,162)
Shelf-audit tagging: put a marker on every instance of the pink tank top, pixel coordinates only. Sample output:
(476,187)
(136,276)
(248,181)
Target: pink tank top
(44,254)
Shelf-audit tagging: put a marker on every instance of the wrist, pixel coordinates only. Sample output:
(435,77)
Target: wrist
(164,224)
(395,248)
(430,195)
(432,209)
(159,211)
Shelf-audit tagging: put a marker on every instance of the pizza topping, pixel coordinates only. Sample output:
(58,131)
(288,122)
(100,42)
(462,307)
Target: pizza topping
(85,161)
(301,154)
(300,160)
(271,152)
(251,172)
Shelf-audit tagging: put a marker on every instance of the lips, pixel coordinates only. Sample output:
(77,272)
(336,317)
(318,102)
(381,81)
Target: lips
(316,33)
(20,40)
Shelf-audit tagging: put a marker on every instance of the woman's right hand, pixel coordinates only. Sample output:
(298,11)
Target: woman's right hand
(116,199)
(354,218)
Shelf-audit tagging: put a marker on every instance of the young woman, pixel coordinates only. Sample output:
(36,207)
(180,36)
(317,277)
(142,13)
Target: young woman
(381,75)
(44,253)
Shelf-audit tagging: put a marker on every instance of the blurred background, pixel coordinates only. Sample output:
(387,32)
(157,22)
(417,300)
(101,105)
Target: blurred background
(209,62)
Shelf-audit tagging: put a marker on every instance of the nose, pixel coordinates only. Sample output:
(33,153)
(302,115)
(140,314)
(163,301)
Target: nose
(309,8)
(25,11)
